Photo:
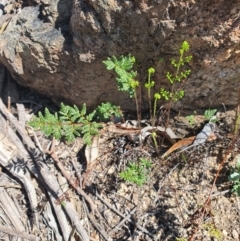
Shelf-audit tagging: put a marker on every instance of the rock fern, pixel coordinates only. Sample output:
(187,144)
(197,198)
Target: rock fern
(68,123)
(123,68)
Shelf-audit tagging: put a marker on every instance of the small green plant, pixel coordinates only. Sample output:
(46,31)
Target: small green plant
(127,82)
(235,177)
(178,76)
(137,172)
(213,231)
(123,67)
(126,76)
(107,110)
(149,85)
(190,120)
(70,122)
(172,95)
(210,115)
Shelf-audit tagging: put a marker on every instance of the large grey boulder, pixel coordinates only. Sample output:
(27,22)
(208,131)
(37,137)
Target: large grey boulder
(57,47)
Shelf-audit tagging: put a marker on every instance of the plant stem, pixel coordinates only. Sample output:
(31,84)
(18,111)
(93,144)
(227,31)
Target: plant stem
(154,111)
(149,97)
(137,107)
(155,141)
(179,63)
(172,88)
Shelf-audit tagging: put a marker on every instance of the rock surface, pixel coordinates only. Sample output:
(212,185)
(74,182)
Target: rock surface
(57,47)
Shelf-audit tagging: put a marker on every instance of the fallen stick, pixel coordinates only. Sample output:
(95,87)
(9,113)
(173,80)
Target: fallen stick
(42,172)
(18,234)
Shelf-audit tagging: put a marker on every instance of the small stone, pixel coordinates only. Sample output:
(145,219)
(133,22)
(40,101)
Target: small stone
(182,180)
(111,170)
(224,232)
(235,234)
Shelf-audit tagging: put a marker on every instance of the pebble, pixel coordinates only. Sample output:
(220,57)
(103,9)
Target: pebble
(182,180)
(235,234)
(224,232)
(111,170)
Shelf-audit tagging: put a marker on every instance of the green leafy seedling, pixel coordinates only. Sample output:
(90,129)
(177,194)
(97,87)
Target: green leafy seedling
(126,79)
(68,123)
(210,115)
(123,68)
(107,110)
(235,178)
(190,120)
(126,76)
(136,173)
(174,95)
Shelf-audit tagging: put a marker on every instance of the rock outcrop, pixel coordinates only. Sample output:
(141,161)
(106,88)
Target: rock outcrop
(57,47)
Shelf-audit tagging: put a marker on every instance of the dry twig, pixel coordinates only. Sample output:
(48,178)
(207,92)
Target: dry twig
(42,172)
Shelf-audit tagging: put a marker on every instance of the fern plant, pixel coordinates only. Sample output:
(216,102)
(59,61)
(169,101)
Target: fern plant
(235,177)
(137,173)
(126,76)
(123,68)
(68,123)
(127,82)
(174,95)
(107,110)
(210,115)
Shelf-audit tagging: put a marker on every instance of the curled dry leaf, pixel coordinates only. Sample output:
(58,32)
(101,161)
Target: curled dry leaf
(122,129)
(182,143)
(207,134)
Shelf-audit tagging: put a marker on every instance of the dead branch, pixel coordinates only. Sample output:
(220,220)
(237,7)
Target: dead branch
(42,173)
(18,234)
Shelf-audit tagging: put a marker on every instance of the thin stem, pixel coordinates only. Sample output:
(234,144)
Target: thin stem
(137,107)
(179,63)
(149,95)
(154,111)
(155,141)
(172,88)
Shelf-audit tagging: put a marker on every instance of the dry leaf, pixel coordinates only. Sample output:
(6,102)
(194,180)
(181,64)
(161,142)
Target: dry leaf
(182,143)
(118,129)
(207,134)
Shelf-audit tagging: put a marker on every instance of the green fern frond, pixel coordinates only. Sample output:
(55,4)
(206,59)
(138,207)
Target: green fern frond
(87,139)
(122,66)
(84,110)
(68,123)
(208,114)
(107,110)
(69,113)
